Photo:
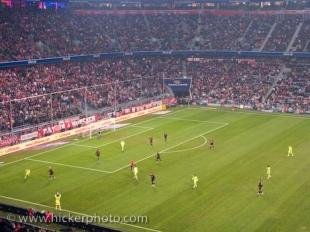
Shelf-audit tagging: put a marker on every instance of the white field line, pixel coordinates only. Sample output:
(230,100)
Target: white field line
(103,171)
(191,120)
(126,137)
(143,127)
(114,141)
(191,148)
(168,148)
(56,148)
(141,132)
(284,115)
(69,144)
(67,165)
(81,145)
(73,212)
(84,168)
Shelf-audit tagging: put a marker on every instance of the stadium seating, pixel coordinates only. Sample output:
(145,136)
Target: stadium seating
(33,34)
(53,92)
(292,94)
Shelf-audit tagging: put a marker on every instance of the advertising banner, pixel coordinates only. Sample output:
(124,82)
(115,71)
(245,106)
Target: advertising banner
(48,134)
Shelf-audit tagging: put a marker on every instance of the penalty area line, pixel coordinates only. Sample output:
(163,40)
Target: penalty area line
(76,144)
(67,165)
(192,120)
(73,212)
(81,145)
(171,147)
(116,140)
(85,139)
(126,137)
(258,113)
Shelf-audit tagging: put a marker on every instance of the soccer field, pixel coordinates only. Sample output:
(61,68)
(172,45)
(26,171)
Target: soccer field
(225,200)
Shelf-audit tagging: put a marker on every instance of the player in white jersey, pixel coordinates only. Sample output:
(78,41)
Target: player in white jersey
(195,180)
(27,173)
(290,151)
(135,172)
(123,145)
(268,172)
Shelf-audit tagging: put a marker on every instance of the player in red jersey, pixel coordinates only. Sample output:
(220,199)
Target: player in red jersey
(165,137)
(153,178)
(211,144)
(98,153)
(151,140)
(132,164)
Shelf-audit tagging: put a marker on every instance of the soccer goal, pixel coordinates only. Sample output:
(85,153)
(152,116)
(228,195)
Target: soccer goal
(98,129)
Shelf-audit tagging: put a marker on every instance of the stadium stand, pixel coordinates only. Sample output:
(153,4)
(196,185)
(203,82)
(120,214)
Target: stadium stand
(52,92)
(33,34)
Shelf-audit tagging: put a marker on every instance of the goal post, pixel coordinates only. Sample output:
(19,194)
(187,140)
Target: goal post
(96,128)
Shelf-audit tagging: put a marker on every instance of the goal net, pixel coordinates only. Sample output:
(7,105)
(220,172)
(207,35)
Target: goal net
(97,129)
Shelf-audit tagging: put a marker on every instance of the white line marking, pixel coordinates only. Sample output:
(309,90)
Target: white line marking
(191,120)
(86,139)
(81,145)
(126,137)
(259,113)
(67,165)
(144,127)
(149,156)
(140,227)
(103,171)
(76,144)
(73,212)
(166,149)
(116,140)
(191,148)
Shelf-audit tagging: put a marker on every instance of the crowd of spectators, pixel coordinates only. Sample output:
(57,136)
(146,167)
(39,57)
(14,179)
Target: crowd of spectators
(28,34)
(45,93)
(302,42)
(283,33)
(12,226)
(243,82)
(52,92)
(292,94)
(256,34)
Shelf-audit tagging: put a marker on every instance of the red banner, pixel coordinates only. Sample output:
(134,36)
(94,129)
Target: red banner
(8,141)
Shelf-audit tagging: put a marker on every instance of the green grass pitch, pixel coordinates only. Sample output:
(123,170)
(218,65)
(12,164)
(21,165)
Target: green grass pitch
(225,200)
